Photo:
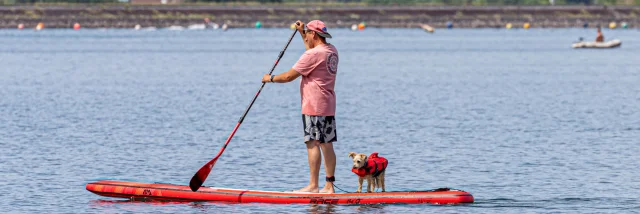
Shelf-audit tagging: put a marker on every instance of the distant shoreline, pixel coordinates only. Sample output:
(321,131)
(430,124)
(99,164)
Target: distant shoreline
(272,16)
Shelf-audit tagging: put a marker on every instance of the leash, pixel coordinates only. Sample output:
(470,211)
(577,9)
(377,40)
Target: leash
(334,185)
(332,179)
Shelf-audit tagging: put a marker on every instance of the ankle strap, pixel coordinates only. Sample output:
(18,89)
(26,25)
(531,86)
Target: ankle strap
(330,179)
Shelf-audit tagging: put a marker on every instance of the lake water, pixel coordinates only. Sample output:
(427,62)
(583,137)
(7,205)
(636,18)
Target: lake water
(515,117)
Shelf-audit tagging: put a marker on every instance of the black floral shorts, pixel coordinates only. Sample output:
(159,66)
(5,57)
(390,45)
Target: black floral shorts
(320,128)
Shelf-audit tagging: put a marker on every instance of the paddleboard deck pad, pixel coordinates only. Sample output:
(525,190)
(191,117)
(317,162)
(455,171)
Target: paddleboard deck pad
(169,192)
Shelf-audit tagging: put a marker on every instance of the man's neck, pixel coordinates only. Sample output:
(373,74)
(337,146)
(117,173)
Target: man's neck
(319,43)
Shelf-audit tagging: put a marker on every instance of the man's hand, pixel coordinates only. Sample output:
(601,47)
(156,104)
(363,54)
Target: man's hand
(300,26)
(266,78)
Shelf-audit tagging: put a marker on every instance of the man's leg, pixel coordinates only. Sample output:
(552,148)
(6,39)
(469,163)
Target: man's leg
(314,166)
(329,165)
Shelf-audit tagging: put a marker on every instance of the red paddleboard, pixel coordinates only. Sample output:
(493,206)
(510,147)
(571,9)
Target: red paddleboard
(170,192)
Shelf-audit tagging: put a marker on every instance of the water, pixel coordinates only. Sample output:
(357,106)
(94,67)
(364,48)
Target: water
(517,118)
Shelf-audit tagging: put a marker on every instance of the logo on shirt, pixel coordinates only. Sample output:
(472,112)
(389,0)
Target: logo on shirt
(332,63)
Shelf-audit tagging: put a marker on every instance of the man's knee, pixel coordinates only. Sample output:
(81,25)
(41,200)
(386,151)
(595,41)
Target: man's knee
(326,146)
(313,143)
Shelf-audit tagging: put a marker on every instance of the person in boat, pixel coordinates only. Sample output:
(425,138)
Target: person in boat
(318,67)
(599,37)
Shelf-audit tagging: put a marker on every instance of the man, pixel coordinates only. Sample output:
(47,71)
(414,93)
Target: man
(318,67)
(599,37)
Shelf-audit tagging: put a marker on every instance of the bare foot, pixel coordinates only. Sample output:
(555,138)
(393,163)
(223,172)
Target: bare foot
(311,189)
(328,188)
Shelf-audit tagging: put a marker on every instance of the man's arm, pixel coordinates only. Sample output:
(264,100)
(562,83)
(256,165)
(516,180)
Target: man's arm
(283,77)
(300,28)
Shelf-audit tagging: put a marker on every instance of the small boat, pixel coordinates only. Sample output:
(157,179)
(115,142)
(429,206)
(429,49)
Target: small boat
(175,27)
(168,192)
(610,44)
(203,26)
(197,27)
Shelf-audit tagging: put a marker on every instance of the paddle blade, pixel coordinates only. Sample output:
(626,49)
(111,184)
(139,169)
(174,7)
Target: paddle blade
(198,179)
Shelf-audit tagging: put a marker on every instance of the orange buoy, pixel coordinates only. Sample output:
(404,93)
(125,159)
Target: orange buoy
(361,26)
(76,26)
(40,26)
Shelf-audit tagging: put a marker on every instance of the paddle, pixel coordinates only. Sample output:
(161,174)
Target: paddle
(201,175)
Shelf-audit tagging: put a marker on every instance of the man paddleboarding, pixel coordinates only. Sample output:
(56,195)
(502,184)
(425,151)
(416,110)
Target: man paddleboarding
(318,67)
(599,37)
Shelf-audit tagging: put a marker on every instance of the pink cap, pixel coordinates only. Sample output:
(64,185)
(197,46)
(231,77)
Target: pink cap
(319,27)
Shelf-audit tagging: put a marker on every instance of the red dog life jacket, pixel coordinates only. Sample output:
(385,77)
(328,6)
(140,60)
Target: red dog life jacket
(374,166)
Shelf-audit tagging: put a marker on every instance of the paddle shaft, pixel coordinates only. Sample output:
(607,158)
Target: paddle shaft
(198,179)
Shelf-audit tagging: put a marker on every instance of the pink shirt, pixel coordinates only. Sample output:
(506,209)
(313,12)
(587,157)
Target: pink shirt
(318,67)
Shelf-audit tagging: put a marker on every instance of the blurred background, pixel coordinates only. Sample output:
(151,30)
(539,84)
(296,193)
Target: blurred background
(374,13)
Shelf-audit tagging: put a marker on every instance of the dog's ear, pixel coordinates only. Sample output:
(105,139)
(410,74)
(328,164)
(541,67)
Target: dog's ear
(352,154)
(364,157)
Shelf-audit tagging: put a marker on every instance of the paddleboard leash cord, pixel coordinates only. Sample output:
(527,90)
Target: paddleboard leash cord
(332,179)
